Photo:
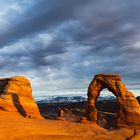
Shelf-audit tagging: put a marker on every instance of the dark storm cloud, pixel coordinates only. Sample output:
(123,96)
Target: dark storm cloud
(41,55)
(42,15)
(64,42)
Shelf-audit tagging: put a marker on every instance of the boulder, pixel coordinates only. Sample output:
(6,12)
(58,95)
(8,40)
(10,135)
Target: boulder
(16,96)
(129,108)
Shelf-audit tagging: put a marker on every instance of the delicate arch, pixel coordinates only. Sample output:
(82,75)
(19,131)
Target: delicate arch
(129,107)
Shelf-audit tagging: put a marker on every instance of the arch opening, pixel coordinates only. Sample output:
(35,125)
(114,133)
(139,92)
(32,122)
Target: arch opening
(107,108)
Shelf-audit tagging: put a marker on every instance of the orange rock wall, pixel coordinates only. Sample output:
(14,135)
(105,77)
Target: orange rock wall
(129,113)
(16,96)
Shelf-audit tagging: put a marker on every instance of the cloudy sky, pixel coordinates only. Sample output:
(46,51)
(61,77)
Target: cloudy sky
(61,44)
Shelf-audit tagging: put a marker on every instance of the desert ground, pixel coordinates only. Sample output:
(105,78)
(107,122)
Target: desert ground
(16,127)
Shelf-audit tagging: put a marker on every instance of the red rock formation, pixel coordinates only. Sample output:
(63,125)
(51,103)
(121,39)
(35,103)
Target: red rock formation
(129,113)
(16,96)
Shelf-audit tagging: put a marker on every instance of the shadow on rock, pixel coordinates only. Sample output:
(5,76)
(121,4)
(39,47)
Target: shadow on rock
(18,105)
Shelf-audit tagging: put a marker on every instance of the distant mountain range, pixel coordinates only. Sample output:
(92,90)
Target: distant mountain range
(61,99)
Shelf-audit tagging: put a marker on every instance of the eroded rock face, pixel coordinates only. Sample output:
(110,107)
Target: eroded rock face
(16,96)
(129,112)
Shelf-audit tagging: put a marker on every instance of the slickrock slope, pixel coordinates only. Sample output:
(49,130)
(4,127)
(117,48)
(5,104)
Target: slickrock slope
(16,96)
(15,127)
(129,113)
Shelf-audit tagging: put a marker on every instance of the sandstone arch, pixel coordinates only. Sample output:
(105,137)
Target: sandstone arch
(129,113)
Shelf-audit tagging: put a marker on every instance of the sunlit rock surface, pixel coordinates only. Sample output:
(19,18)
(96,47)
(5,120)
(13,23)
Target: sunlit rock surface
(129,112)
(16,96)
